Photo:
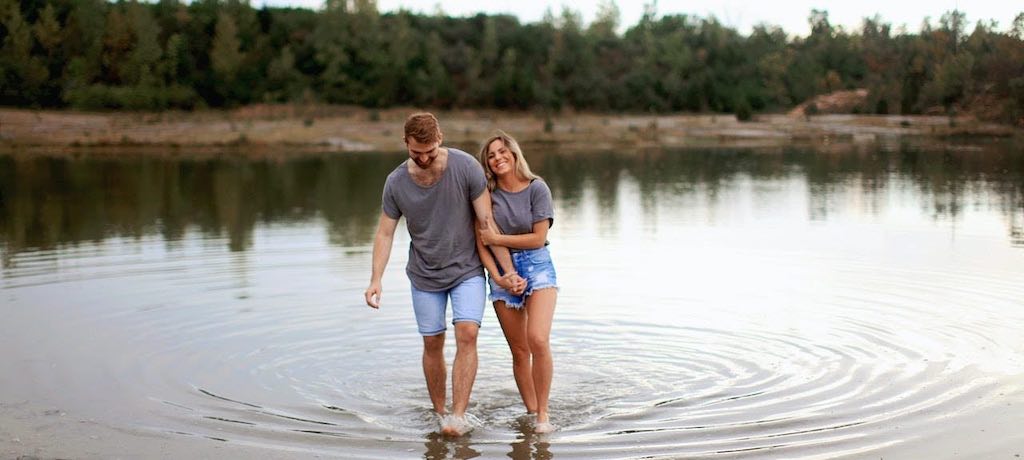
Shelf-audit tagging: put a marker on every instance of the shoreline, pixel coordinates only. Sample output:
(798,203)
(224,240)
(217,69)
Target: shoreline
(260,129)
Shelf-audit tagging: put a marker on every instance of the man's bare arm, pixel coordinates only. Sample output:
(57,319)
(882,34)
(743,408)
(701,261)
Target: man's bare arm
(485,222)
(381,253)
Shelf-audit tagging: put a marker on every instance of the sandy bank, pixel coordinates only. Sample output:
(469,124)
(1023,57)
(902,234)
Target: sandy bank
(346,129)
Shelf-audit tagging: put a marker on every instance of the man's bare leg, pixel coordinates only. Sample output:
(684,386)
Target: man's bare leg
(463,375)
(435,370)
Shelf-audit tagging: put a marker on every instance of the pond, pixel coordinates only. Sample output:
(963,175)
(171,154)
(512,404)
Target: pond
(799,302)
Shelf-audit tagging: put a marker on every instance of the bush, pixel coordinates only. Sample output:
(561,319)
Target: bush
(882,107)
(96,97)
(743,110)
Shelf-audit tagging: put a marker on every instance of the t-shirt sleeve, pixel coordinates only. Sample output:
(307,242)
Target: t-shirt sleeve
(476,183)
(540,202)
(388,203)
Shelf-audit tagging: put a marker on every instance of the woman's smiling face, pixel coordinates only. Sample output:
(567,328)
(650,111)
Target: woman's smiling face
(500,159)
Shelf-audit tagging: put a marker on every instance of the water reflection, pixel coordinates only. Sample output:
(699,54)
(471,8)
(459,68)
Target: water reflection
(529,445)
(48,202)
(442,448)
(764,303)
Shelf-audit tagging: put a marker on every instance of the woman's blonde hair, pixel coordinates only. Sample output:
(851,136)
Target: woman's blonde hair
(522,167)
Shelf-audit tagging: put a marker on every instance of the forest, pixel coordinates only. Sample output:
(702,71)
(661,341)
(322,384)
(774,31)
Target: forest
(130,55)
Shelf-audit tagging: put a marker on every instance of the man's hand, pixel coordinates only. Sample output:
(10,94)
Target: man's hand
(381,251)
(373,295)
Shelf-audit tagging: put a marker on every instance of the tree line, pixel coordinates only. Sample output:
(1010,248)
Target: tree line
(94,54)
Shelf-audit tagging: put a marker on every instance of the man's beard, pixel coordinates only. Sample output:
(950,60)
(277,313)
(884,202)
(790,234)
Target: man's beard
(425,165)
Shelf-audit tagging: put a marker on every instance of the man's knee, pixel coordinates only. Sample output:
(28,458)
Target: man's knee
(466,333)
(433,344)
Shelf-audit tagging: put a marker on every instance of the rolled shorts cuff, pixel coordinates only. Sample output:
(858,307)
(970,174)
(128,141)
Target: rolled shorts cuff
(467,299)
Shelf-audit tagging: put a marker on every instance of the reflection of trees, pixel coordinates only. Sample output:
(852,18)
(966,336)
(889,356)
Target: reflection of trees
(948,178)
(46,202)
(830,176)
(570,175)
(1017,226)
(658,173)
(350,200)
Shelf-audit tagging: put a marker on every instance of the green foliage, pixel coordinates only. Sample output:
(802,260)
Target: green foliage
(226,54)
(171,54)
(744,112)
(22,74)
(132,97)
(47,29)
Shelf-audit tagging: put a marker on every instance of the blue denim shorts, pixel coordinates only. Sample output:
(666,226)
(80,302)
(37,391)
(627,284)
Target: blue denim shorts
(467,305)
(535,266)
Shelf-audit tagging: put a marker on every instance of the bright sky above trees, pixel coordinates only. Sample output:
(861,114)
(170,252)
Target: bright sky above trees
(742,15)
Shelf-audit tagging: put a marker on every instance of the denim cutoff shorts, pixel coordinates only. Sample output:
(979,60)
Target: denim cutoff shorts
(535,266)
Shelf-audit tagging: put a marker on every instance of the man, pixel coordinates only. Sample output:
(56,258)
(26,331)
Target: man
(439,190)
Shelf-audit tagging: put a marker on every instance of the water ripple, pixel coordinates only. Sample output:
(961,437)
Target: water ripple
(226,354)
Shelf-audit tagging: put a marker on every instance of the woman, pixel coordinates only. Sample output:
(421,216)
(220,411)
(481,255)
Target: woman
(522,209)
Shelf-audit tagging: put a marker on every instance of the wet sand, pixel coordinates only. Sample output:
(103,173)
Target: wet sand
(277,129)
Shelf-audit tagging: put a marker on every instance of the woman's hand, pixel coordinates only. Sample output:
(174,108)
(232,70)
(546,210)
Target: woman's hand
(489,236)
(513,283)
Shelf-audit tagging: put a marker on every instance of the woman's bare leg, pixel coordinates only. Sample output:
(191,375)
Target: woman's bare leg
(513,324)
(540,310)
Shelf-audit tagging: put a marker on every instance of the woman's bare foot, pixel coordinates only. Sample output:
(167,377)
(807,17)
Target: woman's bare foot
(544,427)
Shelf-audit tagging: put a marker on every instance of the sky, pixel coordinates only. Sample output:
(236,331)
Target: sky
(791,15)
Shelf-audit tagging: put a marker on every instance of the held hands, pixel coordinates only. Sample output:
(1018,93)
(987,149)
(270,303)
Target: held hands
(372,295)
(513,283)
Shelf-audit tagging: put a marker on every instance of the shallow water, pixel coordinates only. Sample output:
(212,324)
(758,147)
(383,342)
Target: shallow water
(864,302)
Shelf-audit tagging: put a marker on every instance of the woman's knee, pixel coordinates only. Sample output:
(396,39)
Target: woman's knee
(520,352)
(539,343)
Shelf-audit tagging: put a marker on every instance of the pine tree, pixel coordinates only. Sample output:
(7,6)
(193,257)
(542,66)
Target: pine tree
(22,75)
(226,54)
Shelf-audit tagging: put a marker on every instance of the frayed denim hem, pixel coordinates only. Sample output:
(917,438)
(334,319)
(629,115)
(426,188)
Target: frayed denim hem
(520,305)
(537,288)
(509,303)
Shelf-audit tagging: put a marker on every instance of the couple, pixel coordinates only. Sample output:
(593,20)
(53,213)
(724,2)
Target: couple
(444,195)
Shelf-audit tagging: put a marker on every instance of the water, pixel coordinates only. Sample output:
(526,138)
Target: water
(722,303)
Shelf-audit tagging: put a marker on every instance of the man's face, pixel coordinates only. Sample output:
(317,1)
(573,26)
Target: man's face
(423,154)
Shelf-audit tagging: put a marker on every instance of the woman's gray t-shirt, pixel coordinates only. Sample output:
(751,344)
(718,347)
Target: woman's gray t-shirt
(440,219)
(516,212)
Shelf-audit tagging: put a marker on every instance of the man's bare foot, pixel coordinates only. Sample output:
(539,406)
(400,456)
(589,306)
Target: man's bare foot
(455,426)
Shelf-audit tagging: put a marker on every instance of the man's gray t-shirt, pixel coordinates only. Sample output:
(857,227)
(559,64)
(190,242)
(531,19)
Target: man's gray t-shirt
(440,220)
(516,212)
